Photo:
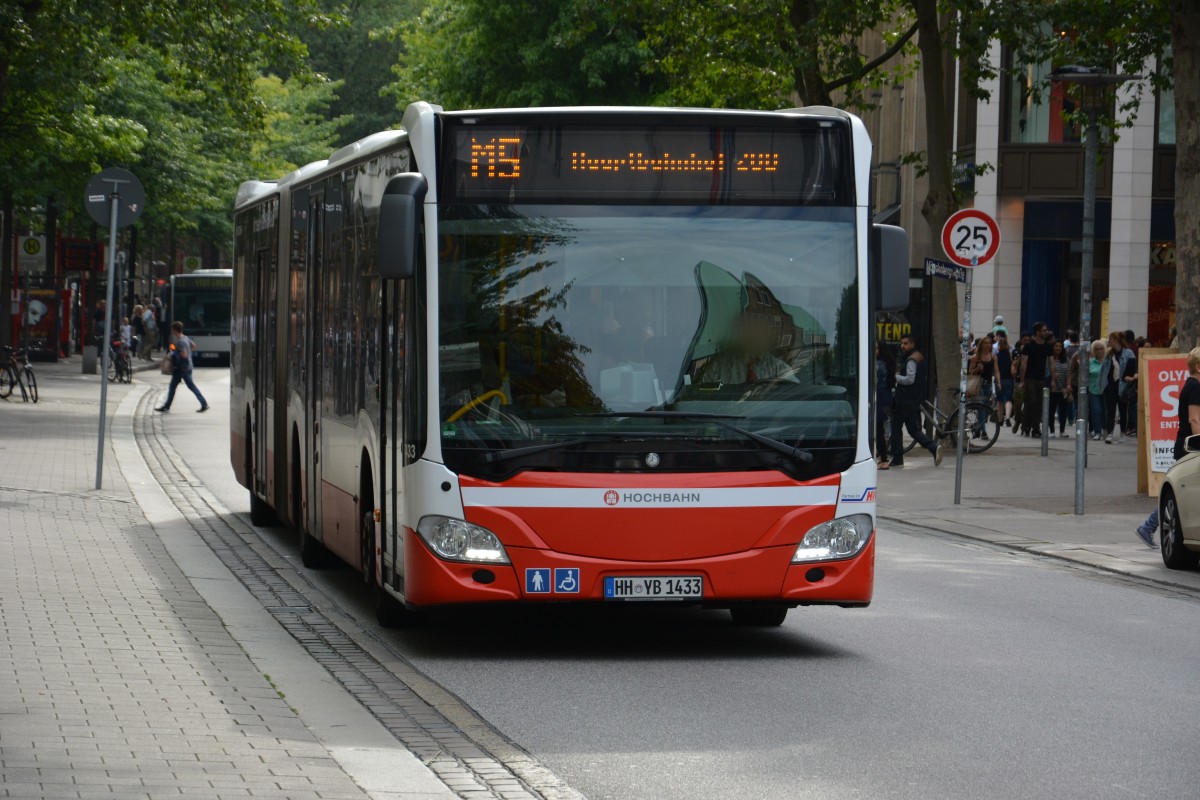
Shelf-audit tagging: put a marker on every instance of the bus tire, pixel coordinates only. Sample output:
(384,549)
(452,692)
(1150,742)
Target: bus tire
(758,616)
(313,554)
(389,612)
(261,514)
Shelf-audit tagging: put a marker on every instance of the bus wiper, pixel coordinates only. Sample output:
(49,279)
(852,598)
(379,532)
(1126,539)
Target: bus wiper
(721,421)
(516,452)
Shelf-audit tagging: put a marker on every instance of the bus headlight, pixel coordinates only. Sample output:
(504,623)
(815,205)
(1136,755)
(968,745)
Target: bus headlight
(844,537)
(459,540)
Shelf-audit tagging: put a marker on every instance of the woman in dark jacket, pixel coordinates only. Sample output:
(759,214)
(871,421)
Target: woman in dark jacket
(885,383)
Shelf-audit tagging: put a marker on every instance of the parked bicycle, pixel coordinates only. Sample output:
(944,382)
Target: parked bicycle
(982,426)
(15,370)
(120,363)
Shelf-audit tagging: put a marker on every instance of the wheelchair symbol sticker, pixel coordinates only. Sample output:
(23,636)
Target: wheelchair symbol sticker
(566,580)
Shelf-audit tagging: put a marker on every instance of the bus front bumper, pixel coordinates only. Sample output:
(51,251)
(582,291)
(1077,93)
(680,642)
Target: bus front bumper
(760,575)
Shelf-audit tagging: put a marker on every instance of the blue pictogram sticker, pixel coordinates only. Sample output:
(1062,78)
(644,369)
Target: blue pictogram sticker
(566,580)
(537,580)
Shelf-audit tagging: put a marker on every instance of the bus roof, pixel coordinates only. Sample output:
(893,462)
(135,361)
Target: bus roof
(368,145)
(252,191)
(803,111)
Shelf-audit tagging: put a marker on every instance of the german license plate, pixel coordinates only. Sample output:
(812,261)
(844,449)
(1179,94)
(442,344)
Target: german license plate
(649,587)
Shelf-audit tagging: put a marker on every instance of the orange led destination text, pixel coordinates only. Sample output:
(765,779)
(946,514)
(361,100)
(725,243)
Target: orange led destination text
(638,162)
(501,158)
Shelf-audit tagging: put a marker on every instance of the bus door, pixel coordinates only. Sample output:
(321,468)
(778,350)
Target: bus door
(263,428)
(314,353)
(391,408)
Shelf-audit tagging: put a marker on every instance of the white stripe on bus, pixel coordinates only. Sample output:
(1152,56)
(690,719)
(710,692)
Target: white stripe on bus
(657,497)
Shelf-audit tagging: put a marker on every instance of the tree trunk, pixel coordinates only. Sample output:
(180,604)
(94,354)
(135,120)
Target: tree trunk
(934,31)
(806,72)
(1185,38)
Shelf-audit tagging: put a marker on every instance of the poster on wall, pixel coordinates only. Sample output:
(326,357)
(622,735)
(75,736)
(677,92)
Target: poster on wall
(1165,378)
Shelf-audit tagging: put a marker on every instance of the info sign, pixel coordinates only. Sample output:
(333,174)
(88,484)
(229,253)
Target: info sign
(1166,377)
(970,237)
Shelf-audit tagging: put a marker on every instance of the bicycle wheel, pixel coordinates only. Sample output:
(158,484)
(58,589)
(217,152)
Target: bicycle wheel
(982,428)
(112,367)
(7,379)
(31,383)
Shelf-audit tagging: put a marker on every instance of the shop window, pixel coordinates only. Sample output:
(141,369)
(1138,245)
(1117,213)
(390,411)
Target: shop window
(1036,106)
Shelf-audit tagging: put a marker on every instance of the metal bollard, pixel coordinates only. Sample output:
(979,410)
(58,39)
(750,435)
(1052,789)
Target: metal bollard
(1045,420)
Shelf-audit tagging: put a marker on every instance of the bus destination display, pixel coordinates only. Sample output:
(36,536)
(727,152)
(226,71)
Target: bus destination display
(692,165)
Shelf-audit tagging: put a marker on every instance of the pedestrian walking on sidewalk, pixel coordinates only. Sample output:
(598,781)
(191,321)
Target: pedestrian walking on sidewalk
(180,353)
(910,393)
(885,383)
(1189,423)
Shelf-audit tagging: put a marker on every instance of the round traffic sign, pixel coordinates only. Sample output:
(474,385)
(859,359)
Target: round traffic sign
(970,237)
(131,196)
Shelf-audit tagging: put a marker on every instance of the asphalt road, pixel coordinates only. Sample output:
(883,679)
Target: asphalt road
(976,673)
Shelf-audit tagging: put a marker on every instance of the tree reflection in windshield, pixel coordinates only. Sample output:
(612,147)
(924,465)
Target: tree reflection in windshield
(546,320)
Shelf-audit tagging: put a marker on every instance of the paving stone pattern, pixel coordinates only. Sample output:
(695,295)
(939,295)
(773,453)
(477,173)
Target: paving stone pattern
(116,679)
(469,770)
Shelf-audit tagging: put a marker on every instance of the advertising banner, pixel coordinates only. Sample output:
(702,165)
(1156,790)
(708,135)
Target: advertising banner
(1165,375)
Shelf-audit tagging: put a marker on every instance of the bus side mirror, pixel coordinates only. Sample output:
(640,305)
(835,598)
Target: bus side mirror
(890,244)
(400,214)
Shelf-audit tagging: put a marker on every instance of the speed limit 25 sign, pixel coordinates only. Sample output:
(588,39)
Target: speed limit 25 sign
(970,237)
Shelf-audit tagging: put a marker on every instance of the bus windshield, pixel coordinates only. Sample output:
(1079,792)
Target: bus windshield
(565,333)
(203,306)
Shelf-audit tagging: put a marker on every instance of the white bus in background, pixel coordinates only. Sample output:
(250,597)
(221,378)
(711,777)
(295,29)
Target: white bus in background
(202,300)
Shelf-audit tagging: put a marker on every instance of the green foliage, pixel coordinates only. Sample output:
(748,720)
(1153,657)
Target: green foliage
(359,53)
(773,53)
(479,53)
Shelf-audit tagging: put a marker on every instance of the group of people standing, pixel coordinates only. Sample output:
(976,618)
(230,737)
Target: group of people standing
(1011,376)
(1016,374)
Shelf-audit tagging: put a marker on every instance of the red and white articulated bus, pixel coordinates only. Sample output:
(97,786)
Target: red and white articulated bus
(571,354)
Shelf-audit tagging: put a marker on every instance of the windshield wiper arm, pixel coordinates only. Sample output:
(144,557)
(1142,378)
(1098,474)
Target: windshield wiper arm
(517,452)
(721,421)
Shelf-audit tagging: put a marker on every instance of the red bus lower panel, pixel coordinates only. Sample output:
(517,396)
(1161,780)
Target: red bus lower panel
(765,574)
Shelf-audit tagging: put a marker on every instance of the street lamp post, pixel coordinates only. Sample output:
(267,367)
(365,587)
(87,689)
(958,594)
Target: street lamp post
(1094,83)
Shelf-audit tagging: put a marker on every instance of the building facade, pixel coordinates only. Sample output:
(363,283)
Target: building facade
(1033,186)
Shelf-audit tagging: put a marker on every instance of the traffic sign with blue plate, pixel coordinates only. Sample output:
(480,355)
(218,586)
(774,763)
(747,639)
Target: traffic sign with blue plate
(566,580)
(537,580)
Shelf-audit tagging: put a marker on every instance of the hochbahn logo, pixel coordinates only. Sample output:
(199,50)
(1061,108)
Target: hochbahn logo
(612,497)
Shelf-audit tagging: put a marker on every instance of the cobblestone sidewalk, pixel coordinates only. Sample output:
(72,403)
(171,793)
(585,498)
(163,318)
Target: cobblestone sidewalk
(116,678)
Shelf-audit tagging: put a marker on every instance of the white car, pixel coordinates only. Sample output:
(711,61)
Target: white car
(1179,510)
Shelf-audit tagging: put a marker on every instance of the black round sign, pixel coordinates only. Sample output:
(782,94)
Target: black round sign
(131,196)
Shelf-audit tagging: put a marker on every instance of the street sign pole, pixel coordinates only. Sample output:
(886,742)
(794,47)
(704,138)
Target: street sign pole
(970,238)
(105,346)
(114,196)
(962,391)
